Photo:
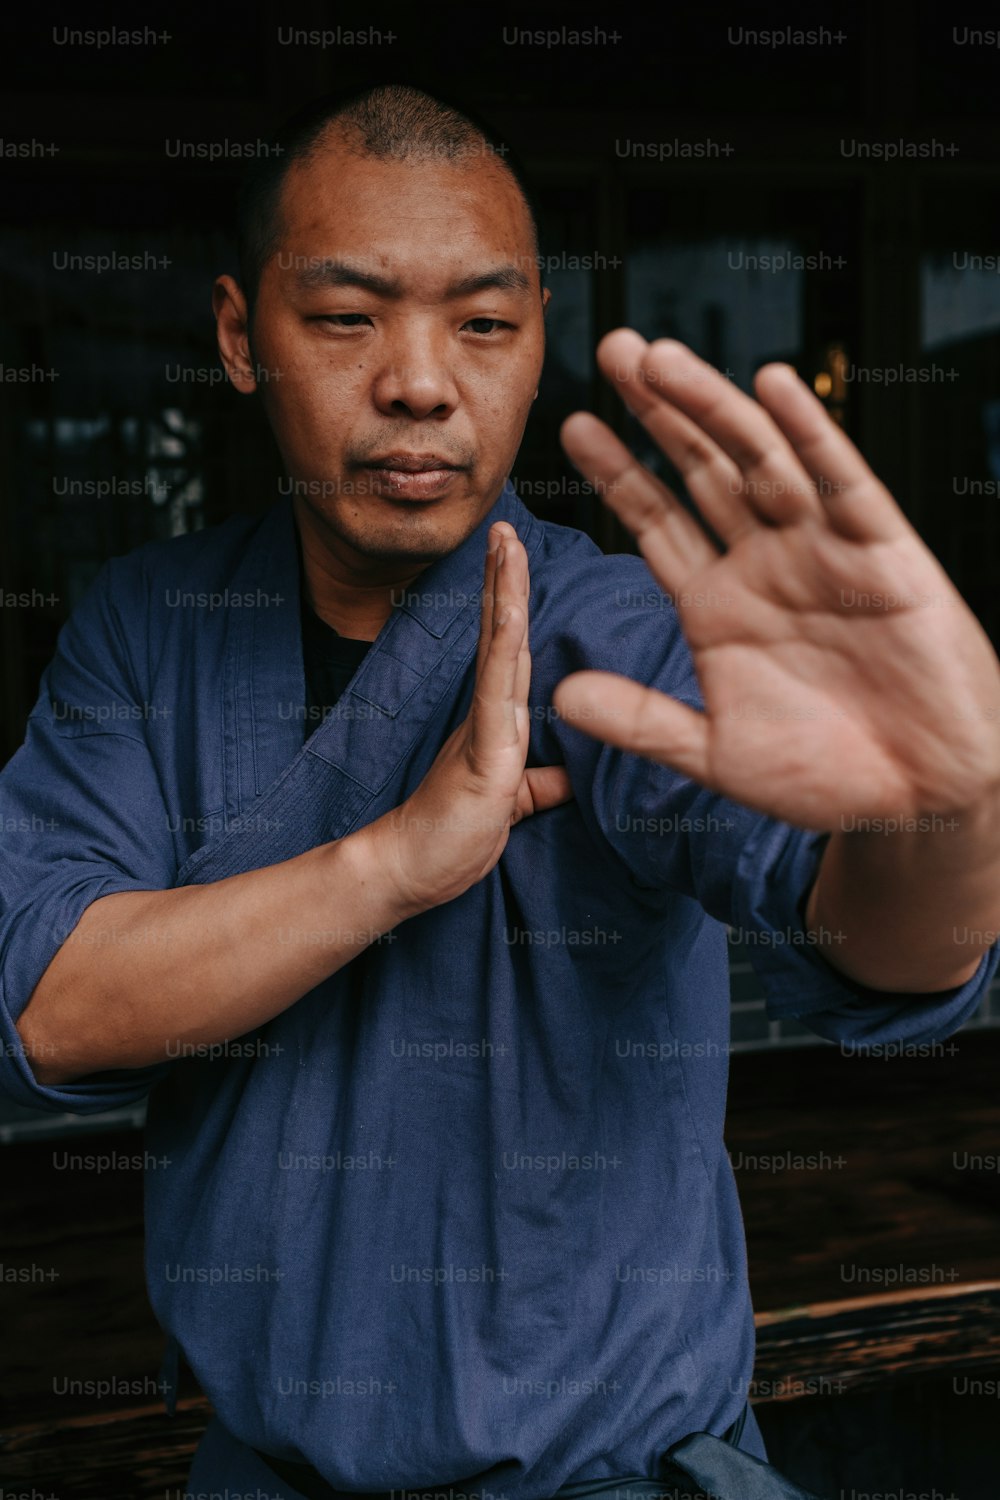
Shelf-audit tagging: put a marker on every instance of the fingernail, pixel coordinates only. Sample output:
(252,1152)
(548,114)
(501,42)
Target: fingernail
(500,555)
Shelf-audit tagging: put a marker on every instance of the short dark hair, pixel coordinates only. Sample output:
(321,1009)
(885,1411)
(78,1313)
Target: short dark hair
(388,121)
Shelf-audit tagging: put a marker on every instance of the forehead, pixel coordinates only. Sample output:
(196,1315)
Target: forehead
(412,213)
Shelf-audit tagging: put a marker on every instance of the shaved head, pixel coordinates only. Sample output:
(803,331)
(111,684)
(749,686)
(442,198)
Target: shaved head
(391,122)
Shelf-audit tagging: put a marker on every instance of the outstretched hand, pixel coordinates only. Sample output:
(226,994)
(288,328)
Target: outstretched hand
(841,671)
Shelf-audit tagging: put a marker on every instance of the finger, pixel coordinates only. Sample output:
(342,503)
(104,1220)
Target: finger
(636,718)
(542,787)
(513,588)
(713,481)
(522,679)
(774,482)
(510,579)
(494,722)
(486,599)
(670,540)
(856,502)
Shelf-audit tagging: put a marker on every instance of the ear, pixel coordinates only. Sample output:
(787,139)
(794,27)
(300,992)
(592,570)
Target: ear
(230,308)
(546,299)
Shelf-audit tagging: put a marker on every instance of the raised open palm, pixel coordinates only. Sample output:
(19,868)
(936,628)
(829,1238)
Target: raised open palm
(842,673)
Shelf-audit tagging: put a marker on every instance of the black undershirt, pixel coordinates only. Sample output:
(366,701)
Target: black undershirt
(330,661)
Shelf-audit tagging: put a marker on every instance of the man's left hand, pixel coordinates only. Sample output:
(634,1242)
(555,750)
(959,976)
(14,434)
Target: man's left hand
(841,671)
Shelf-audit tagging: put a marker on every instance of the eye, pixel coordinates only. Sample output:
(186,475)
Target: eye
(342,320)
(495,325)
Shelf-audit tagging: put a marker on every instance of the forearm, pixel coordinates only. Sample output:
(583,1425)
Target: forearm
(145,973)
(913,909)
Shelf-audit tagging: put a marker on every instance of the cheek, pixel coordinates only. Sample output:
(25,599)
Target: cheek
(506,398)
(312,389)
(310,417)
(513,411)
(305,363)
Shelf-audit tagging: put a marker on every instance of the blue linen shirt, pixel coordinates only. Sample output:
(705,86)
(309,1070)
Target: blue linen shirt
(463,1212)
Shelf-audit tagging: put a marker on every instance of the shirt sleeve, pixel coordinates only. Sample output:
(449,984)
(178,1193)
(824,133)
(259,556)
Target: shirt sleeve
(81,816)
(749,871)
(776,869)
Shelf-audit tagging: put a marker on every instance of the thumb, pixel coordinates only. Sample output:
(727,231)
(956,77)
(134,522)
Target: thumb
(636,718)
(542,787)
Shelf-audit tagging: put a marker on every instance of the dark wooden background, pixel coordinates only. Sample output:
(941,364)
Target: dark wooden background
(658,235)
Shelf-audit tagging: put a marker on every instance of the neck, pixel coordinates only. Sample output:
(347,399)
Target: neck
(353,593)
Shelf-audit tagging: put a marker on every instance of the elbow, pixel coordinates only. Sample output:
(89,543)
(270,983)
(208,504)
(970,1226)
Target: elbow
(40,1052)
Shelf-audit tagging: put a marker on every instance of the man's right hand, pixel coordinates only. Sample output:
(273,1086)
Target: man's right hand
(454,828)
(231,954)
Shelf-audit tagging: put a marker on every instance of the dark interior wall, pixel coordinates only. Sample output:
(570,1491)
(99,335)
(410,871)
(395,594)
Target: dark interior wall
(704,171)
(707,172)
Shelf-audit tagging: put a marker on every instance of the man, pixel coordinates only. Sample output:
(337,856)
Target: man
(427,967)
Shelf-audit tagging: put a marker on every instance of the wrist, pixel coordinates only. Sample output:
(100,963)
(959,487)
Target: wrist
(382,869)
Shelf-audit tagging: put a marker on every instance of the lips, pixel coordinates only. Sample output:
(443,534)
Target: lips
(411,463)
(411,476)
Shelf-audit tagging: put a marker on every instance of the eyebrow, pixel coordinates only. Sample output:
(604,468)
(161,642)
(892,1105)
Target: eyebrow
(330,273)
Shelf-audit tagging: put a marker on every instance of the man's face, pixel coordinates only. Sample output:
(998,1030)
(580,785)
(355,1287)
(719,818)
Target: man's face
(403,311)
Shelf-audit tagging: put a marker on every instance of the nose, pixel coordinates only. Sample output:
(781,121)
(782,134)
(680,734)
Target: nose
(416,378)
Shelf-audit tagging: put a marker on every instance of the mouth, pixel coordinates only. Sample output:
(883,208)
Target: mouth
(411,476)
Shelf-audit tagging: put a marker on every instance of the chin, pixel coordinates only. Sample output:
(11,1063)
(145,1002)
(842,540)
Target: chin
(397,550)
(418,534)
